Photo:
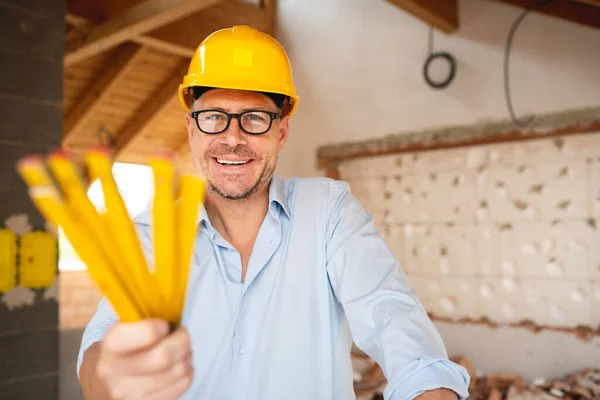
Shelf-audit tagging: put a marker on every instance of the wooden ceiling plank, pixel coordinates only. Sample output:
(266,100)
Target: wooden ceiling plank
(151,110)
(116,68)
(270,13)
(133,22)
(442,15)
(580,12)
(77,21)
(164,46)
(188,33)
(590,2)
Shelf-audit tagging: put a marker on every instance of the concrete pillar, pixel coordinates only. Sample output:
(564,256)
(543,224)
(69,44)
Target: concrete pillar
(32,36)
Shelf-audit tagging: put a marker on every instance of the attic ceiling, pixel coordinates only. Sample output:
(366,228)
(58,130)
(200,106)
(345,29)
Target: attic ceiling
(124,61)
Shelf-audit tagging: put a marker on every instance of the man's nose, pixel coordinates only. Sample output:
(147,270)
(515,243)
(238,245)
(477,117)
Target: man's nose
(233,136)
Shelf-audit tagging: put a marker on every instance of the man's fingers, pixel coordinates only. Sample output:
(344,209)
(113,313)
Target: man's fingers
(172,350)
(168,384)
(177,387)
(126,338)
(152,360)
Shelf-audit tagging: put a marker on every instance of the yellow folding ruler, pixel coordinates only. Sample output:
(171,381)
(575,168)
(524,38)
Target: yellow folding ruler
(107,242)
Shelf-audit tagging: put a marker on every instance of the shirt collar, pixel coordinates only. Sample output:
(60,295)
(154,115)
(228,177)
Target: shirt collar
(277,194)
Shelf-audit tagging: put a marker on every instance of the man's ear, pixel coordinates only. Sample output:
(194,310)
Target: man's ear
(284,130)
(190,125)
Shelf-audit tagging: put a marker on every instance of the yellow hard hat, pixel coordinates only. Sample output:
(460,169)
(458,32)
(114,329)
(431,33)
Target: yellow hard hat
(241,58)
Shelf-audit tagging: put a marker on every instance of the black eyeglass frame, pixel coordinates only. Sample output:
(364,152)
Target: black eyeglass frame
(237,116)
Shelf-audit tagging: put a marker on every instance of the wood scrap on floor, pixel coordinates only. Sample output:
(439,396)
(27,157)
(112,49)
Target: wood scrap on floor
(369,383)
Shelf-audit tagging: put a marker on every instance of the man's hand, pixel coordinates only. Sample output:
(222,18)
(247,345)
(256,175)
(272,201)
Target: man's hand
(142,360)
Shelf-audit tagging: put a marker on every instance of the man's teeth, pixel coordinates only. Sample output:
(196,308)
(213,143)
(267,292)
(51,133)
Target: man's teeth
(227,162)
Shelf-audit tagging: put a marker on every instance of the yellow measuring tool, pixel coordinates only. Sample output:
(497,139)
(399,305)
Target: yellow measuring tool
(108,243)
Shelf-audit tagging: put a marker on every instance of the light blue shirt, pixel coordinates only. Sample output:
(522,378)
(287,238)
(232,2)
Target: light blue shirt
(320,277)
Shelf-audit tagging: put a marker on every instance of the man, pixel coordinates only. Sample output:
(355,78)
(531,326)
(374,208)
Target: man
(286,274)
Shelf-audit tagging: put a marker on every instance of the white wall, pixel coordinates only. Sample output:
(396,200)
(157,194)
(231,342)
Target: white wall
(507,232)
(357,66)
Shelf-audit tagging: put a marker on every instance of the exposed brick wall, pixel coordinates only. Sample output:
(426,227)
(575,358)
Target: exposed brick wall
(31,52)
(78,299)
(506,232)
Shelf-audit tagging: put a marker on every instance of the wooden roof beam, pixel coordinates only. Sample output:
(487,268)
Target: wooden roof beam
(270,9)
(188,32)
(167,47)
(582,11)
(590,2)
(81,26)
(133,22)
(442,15)
(151,110)
(115,69)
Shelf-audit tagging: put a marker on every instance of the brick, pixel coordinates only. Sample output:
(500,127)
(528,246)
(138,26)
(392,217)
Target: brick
(31,77)
(503,380)
(9,155)
(480,388)
(69,387)
(23,32)
(42,314)
(495,395)
(18,202)
(54,8)
(28,389)
(520,393)
(26,122)
(25,354)
(583,392)
(464,361)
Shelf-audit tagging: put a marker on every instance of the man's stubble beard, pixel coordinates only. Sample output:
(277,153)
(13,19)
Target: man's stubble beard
(266,174)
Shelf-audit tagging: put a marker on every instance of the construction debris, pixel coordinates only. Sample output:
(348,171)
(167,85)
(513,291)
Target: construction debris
(370,382)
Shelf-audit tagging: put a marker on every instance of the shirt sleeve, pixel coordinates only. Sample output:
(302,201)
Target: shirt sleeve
(95,330)
(385,315)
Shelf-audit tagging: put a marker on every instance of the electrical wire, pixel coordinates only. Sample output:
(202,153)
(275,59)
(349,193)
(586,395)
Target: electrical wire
(434,56)
(507,49)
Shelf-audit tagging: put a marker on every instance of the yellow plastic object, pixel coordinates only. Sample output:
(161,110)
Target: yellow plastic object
(50,204)
(108,243)
(142,284)
(192,194)
(38,256)
(164,231)
(82,208)
(240,58)
(8,260)
(33,171)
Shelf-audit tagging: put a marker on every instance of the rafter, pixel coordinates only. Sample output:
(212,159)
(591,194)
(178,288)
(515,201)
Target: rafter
(151,110)
(133,22)
(80,26)
(115,69)
(442,15)
(590,2)
(270,9)
(584,12)
(188,32)
(162,45)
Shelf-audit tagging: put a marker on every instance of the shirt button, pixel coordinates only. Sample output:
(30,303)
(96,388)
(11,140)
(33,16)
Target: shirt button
(242,351)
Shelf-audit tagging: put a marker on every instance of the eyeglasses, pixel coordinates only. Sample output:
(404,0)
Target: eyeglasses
(253,122)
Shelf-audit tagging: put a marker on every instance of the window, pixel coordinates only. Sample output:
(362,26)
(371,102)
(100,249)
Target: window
(136,186)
